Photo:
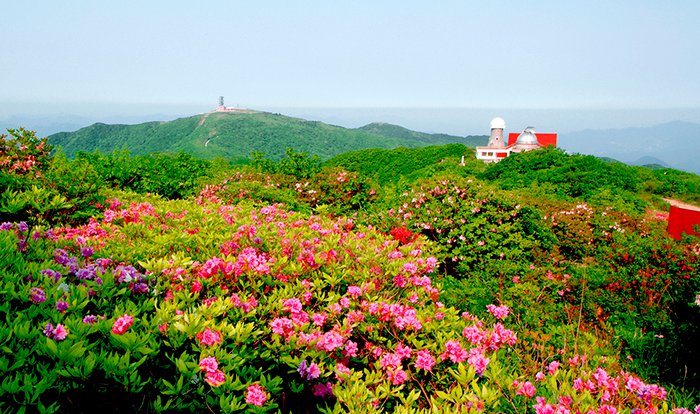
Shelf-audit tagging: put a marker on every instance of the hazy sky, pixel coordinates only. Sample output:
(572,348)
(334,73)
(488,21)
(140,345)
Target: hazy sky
(559,55)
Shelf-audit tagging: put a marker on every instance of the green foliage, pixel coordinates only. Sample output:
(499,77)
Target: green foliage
(299,165)
(234,136)
(353,278)
(172,176)
(40,189)
(569,176)
(409,164)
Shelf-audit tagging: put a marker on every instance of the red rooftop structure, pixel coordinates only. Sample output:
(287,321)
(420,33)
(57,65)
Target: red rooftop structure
(527,140)
(683,218)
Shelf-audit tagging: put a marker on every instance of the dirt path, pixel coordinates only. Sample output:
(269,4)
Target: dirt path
(682,204)
(204,118)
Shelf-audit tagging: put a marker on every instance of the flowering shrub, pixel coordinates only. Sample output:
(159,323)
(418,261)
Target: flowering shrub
(461,299)
(259,307)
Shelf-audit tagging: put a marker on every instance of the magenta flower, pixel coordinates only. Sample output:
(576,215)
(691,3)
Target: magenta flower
(62,306)
(322,390)
(256,395)
(525,389)
(37,295)
(58,333)
(215,378)
(209,337)
(309,371)
(122,323)
(209,364)
(424,360)
(500,312)
(90,319)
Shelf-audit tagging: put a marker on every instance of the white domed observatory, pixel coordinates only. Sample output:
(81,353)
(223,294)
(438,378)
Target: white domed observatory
(527,140)
(496,137)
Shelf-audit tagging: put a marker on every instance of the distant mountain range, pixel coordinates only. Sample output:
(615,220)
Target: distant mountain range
(235,135)
(673,144)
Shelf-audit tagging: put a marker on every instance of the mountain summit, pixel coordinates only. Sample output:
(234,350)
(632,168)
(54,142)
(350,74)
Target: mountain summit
(235,135)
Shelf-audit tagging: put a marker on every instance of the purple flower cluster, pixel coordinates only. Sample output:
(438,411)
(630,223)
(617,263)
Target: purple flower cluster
(55,275)
(61,257)
(128,274)
(62,306)
(90,319)
(37,295)
(87,251)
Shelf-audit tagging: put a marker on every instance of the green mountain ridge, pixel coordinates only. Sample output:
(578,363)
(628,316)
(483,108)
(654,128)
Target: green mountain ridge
(236,135)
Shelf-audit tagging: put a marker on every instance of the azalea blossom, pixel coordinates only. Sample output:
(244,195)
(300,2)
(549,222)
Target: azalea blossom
(256,395)
(122,324)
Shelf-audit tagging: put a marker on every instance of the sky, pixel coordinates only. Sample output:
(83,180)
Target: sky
(558,63)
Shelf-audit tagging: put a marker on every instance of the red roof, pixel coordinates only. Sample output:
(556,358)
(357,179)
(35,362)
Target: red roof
(682,220)
(545,139)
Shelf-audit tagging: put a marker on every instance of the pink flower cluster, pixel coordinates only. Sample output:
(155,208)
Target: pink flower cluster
(248,260)
(122,324)
(58,333)
(209,337)
(525,388)
(500,312)
(213,376)
(256,395)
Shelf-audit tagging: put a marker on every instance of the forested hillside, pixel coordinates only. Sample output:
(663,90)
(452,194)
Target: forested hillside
(169,283)
(236,136)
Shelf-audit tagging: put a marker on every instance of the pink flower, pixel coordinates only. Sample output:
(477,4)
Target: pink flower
(60,332)
(424,360)
(319,319)
(350,349)
(402,351)
(309,371)
(526,389)
(552,367)
(209,364)
(354,291)
(209,337)
(542,407)
(342,372)
(256,395)
(478,361)
(215,378)
(500,312)
(292,305)
(282,326)
(330,341)
(397,377)
(122,323)
(454,351)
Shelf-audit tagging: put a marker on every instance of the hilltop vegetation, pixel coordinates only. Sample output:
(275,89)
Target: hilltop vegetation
(235,136)
(171,283)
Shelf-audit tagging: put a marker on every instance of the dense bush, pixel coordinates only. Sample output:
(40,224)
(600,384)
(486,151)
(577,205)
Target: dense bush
(298,287)
(568,176)
(173,176)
